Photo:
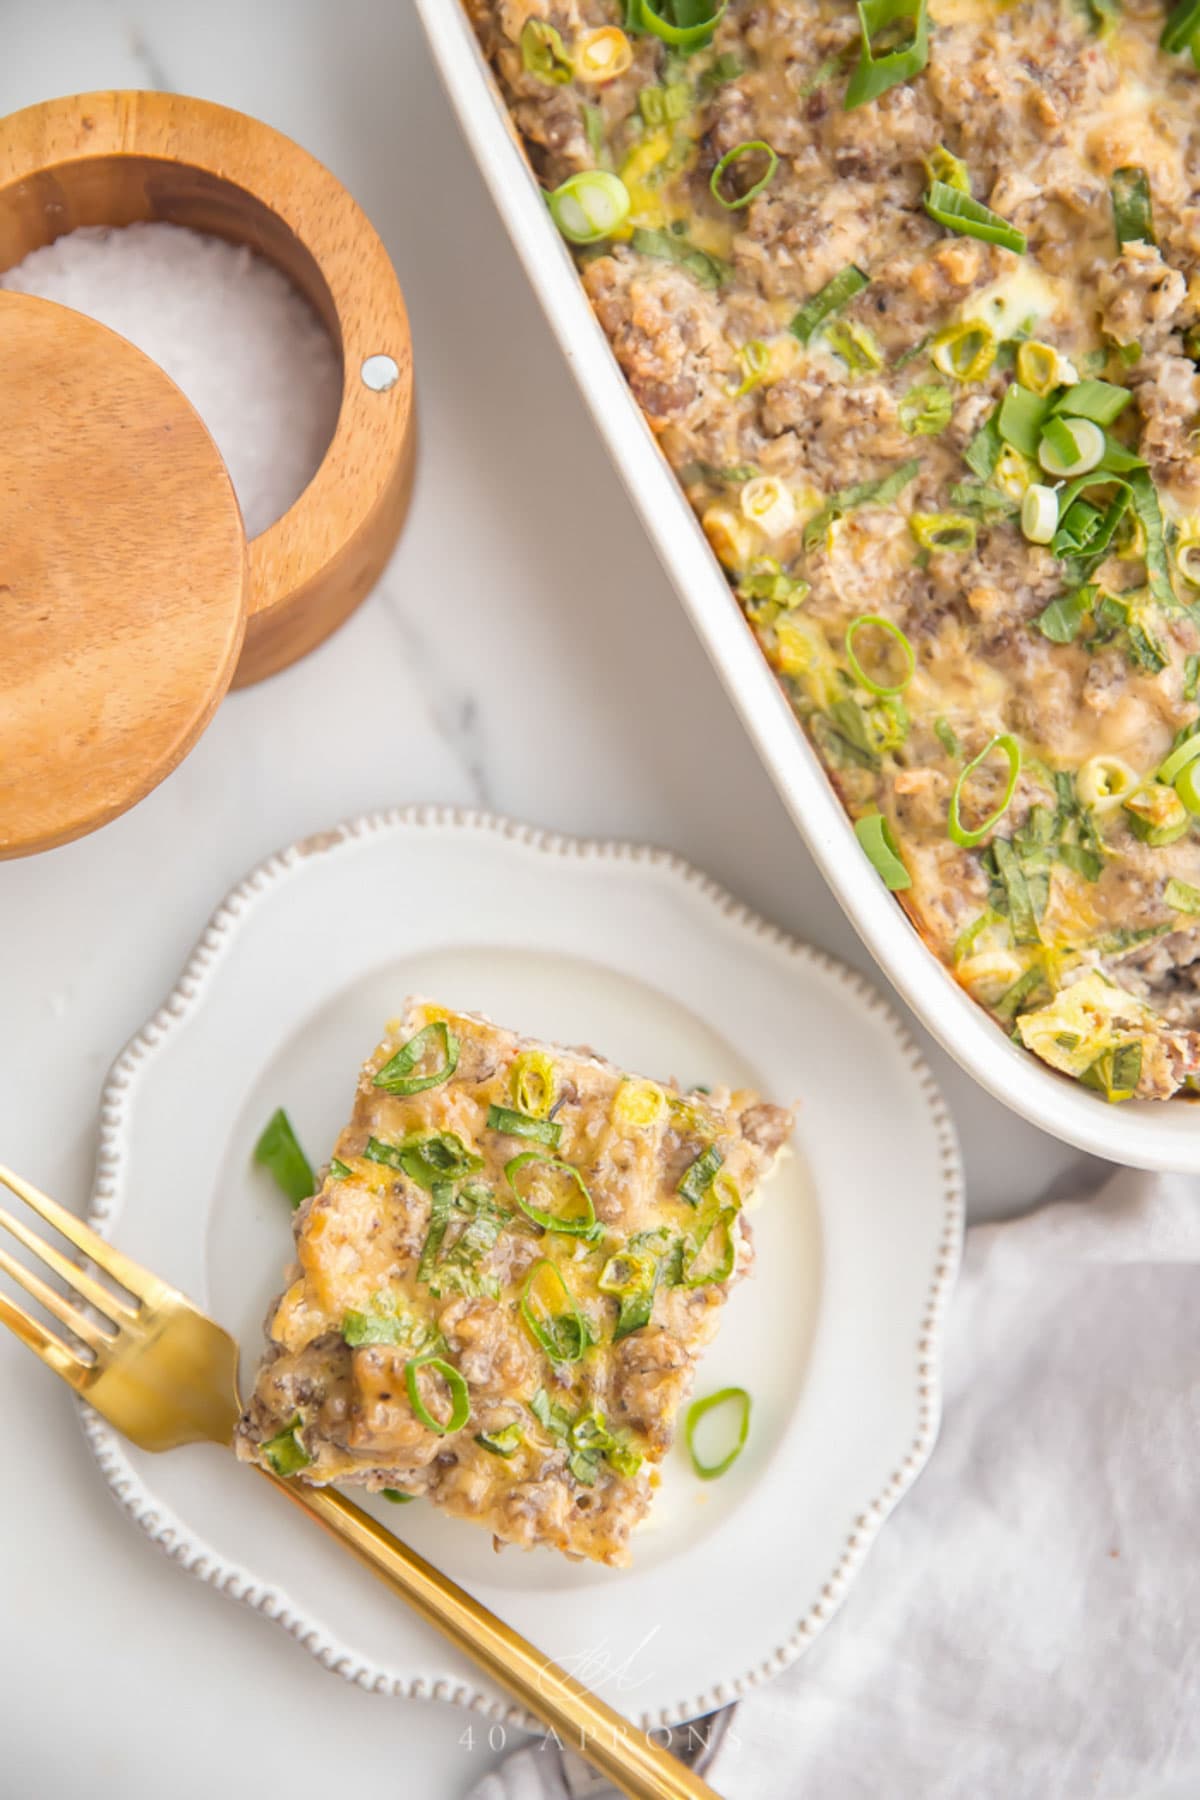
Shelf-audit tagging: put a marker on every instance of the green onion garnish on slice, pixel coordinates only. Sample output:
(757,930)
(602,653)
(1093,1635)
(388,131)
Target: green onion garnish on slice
(926,409)
(1158,814)
(553,1320)
(532,1083)
(944,531)
(957,211)
(571,1188)
(1115,1073)
(396,1497)
(441,1205)
(504,1442)
(942,165)
(278,1150)
(944,732)
(684,24)
(882,851)
(1021,418)
(1070,446)
(339,1170)
(437,1156)
(589,206)
(1182,896)
(882,61)
(896,641)
(543,53)
(699,1410)
(710,1252)
(863,493)
(1133,213)
(1038,367)
(1100,401)
(285,1452)
(1191,676)
(761,152)
(665,105)
(698,1177)
(460,1399)
(397,1075)
(1039,521)
(1187,559)
(1145,504)
(960,833)
(830,299)
(519,1124)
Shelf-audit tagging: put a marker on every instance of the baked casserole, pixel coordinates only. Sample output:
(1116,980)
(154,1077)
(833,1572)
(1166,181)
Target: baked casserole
(909,293)
(505,1280)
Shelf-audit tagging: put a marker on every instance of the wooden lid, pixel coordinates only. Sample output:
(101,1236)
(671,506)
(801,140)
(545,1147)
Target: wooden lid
(123,575)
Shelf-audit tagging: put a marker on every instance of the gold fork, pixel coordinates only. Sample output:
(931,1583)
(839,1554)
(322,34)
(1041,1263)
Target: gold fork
(164,1375)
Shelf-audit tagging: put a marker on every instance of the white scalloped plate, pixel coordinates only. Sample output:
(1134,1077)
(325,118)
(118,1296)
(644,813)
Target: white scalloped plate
(837,1335)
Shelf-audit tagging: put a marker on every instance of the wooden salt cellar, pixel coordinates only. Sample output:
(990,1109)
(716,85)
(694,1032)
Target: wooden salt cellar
(129,599)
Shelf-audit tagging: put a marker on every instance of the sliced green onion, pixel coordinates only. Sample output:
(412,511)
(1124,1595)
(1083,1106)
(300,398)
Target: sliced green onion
(752,147)
(1070,446)
(709,271)
(436,1156)
(1021,418)
(519,1124)
(564,1334)
(1187,786)
(926,409)
(543,53)
(699,1176)
(944,732)
(578,1225)
(589,205)
(957,211)
(396,1497)
(1179,758)
(532,1083)
(863,493)
(1101,401)
(965,352)
(882,851)
(856,344)
(397,1077)
(1037,368)
(1191,676)
(1145,504)
(1187,560)
(684,24)
(830,299)
(631,1277)
(968,838)
(699,1410)
(1133,214)
(665,105)
(726,67)
(339,1170)
(285,1452)
(823,74)
(1157,813)
(1182,896)
(1115,1072)
(1105,781)
(1181,29)
(1039,521)
(504,1442)
(460,1399)
(278,1150)
(881,64)
(441,1205)
(942,165)
(360,1329)
(946,531)
(891,631)
(716,1225)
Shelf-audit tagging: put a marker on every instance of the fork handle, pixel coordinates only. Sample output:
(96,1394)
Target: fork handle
(635,1764)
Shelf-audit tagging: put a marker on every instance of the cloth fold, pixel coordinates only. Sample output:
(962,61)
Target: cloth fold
(1028,1625)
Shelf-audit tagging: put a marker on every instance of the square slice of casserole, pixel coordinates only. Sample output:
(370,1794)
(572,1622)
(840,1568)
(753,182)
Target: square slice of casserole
(505,1281)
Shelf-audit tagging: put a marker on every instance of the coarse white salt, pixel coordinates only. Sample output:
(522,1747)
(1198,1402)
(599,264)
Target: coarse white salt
(229,329)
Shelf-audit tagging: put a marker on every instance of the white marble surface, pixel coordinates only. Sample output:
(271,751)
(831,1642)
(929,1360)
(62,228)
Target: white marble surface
(516,656)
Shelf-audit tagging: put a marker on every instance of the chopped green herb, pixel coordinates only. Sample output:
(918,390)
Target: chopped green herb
(882,851)
(983,452)
(1021,418)
(569,1191)
(436,1156)
(1100,401)
(699,1176)
(1116,1073)
(1061,620)
(519,1124)
(397,1075)
(957,211)
(667,246)
(946,738)
(339,1170)
(762,157)
(504,1442)
(285,1452)
(684,24)
(864,493)
(699,1410)
(543,53)
(926,409)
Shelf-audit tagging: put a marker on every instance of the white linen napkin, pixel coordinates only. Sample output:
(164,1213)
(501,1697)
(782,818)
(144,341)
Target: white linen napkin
(1028,1625)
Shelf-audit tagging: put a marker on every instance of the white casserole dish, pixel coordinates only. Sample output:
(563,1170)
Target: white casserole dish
(1147,1134)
